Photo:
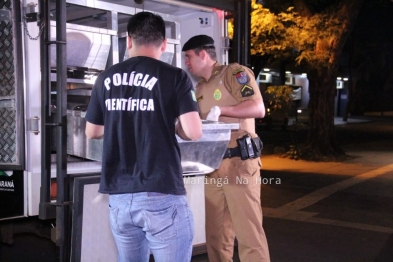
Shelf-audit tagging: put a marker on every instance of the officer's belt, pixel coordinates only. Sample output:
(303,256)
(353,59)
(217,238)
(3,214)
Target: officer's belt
(231,152)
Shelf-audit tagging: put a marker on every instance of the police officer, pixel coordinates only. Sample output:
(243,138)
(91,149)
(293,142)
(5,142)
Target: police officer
(229,93)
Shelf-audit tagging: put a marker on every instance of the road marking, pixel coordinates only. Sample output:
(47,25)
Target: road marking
(304,216)
(292,210)
(324,192)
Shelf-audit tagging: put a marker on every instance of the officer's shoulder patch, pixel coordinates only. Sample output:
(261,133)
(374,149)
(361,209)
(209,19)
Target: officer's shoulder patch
(247,91)
(241,77)
(240,74)
(237,69)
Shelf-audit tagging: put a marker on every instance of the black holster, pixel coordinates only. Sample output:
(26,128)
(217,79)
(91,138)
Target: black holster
(249,147)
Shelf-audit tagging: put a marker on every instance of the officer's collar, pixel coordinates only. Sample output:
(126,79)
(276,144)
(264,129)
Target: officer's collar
(216,69)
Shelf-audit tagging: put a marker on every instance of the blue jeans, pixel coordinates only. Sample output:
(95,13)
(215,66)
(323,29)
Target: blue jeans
(156,222)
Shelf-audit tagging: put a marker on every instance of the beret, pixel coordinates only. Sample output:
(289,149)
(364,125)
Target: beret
(198,41)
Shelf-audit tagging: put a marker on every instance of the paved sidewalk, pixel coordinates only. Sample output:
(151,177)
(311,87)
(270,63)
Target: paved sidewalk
(333,211)
(339,120)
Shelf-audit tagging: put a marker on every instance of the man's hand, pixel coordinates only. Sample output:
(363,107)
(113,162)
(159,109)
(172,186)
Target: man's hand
(189,126)
(214,113)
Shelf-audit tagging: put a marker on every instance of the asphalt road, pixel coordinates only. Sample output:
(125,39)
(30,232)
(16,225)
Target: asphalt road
(312,211)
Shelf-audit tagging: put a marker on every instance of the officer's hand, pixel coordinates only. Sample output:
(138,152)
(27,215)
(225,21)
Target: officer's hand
(214,113)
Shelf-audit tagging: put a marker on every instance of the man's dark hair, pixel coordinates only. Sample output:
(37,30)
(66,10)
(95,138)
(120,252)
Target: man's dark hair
(146,28)
(210,49)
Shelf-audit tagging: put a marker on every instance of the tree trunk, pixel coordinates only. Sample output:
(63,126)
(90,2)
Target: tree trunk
(321,142)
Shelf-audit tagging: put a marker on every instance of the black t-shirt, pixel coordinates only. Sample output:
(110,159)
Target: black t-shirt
(138,101)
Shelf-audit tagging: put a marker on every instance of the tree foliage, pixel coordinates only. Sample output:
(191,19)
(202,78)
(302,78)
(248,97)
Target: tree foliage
(309,39)
(281,97)
(313,36)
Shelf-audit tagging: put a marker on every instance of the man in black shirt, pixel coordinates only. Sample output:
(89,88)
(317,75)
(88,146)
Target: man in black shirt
(137,103)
